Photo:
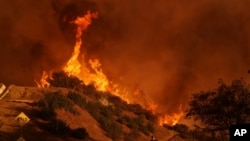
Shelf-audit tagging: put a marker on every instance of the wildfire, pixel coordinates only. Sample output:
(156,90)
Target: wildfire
(73,66)
(43,81)
(172,119)
(118,91)
(151,106)
(94,74)
(98,77)
(90,72)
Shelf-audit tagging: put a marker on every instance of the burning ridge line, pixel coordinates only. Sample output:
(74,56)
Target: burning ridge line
(96,76)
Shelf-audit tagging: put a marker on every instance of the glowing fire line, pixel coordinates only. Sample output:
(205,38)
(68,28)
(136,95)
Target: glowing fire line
(171,119)
(93,74)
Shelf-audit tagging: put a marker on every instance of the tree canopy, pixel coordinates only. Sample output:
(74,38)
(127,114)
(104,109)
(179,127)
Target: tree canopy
(224,106)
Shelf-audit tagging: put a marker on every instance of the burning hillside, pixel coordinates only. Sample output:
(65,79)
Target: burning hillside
(91,73)
(154,53)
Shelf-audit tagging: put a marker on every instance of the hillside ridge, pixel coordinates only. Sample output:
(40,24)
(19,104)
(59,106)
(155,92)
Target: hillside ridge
(26,99)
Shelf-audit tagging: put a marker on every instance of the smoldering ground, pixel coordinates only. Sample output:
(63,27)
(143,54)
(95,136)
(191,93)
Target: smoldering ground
(169,49)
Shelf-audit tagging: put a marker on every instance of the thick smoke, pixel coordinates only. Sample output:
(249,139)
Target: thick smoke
(34,38)
(30,41)
(173,48)
(169,49)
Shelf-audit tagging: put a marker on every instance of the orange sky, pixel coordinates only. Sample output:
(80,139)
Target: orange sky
(169,49)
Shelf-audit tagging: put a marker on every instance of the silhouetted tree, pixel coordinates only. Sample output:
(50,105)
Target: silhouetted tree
(219,108)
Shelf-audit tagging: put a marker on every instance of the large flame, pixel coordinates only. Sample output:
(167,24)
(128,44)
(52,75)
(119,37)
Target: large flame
(73,66)
(171,119)
(91,73)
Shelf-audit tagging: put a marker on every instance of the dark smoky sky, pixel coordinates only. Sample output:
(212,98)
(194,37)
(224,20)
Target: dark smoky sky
(167,48)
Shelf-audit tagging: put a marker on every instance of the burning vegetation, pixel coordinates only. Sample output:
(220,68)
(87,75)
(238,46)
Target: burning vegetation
(112,113)
(154,59)
(91,72)
(172,119)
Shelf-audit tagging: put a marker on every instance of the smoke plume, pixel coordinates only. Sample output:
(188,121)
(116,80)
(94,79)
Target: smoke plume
(169,49)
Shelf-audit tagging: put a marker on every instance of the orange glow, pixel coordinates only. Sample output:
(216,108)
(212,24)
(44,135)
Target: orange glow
(149,105)
(91,72)
(152,107)
(43,81)
(116,90)
(73,66)
(98,78)
(171,119)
